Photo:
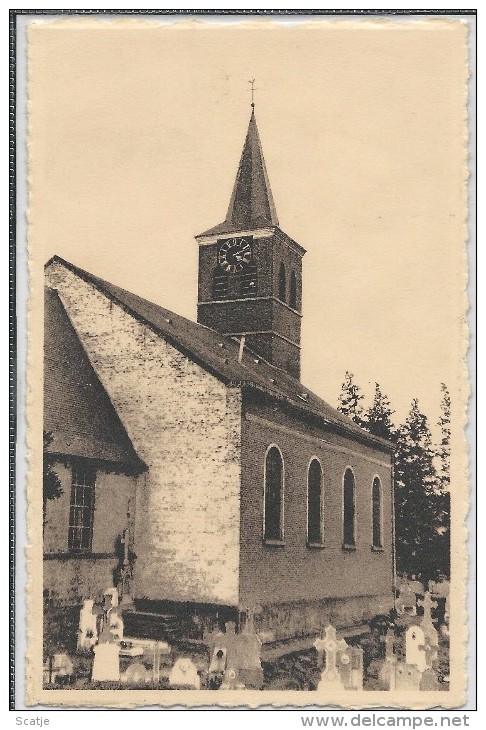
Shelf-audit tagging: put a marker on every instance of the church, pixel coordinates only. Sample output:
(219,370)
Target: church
(230,487)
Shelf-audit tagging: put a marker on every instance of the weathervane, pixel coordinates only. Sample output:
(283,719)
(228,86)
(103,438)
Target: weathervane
(252,93)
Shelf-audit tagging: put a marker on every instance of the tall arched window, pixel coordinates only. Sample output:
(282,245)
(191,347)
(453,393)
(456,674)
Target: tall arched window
(293,291)
(314,503)
(282,284)
(274,478)
(376,514)
(349,509)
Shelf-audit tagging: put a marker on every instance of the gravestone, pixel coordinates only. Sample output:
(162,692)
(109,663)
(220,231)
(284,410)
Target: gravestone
(414,647)
(62,667)
(184,674)
(136,673)
(386,674)
(406,603)
(330,646)
(349,663)
(239,653)
(407,677)
(429,681)
(115,622)
(249,652)
(87,631)
(106,662)
(427,624)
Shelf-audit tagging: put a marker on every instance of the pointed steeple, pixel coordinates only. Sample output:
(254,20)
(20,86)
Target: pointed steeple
(251,205)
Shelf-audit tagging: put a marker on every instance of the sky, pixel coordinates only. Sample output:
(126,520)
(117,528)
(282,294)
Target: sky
(135,133)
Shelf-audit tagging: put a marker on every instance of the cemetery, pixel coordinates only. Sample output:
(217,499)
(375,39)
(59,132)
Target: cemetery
(407,649)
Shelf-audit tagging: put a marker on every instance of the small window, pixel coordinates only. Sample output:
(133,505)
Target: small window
(349,510)
(282,284)
(82,507)
(377,528)
(314,504)
(274,475)
(293,291)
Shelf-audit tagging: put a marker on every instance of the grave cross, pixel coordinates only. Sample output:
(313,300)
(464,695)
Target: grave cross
(389,640)
(428,604)
(331,646)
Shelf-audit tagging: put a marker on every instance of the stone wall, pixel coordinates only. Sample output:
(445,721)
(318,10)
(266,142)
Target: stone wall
(185,425)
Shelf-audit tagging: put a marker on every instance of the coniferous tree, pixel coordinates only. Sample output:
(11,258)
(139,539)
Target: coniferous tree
(443,498)
(377,419)
(417,511)
(350,399)
(444,447)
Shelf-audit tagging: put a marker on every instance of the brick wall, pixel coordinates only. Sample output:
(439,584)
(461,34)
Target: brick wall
(185,425)
(294,572)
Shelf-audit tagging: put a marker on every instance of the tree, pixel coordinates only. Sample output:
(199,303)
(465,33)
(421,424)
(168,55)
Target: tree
(377,419)
(443,454)
(418,539)
(350,399)
(443,450)
(52,483)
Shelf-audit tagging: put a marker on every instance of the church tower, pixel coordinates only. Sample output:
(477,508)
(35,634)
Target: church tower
(250,271)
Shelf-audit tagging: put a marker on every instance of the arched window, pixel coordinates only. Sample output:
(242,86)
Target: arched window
(314,503)
(293,291)
(349,509)
(282,284)
(376,514)
(274,478)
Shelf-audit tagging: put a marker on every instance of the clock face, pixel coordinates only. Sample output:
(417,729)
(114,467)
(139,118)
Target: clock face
(234,255)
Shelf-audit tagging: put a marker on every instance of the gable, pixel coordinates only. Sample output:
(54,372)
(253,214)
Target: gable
(77,410)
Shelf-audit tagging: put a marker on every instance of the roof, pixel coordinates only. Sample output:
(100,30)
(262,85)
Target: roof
(77,409)
(251,205)
(218,354)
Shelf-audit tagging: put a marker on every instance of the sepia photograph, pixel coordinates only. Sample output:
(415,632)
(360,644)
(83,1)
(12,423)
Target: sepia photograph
(247,361)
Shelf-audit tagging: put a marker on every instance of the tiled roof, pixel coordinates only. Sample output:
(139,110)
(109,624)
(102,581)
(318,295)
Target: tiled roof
(251,205)
(77,410)
(218,354)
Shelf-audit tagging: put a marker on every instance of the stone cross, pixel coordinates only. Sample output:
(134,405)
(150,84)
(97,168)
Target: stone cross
(427,624)
(330,677)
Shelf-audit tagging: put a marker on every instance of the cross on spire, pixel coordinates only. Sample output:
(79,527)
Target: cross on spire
(252,82)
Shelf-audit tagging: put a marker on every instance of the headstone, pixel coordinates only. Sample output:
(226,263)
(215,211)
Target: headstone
(330,646)
(386,674)
(427,624)
(136,673)
(429,681)
(116,624)
(407,677)
(232,680)
(87,631)
(106,662)
(349,663)
(110,597)
(238,653)
(62,666)
(406,603)
(414,647)
(184,674)
(249,651)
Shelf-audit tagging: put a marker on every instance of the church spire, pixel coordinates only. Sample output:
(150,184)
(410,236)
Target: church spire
(251,205)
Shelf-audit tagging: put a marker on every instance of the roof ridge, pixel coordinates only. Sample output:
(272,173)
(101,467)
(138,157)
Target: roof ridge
(164,323)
